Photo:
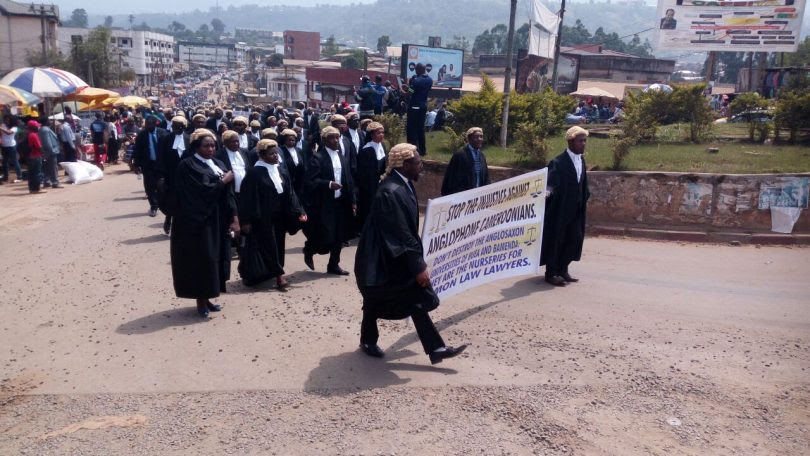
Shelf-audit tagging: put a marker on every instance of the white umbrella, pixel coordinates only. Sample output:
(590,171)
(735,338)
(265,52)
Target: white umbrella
(75,80)
(594,92)
(658,88)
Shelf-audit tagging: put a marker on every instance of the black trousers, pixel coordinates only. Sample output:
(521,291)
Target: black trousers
(150,179)
(416,128)
(280,232)
(425,329)
(569,242)
(34,173)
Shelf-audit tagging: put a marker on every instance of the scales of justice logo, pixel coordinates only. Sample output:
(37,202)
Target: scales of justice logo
(439,221)
(538,187)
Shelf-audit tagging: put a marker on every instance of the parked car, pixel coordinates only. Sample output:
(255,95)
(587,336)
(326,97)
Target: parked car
(748,116)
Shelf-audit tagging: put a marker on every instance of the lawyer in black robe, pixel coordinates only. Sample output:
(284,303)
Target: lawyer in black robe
(206,215)
(564,224)
(461,173)
(171,149)
(293,159)
(268,214)
(329,203)
(390,268)
(371,163)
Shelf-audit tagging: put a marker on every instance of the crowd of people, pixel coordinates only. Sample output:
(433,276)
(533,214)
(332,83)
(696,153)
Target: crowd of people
(242,183)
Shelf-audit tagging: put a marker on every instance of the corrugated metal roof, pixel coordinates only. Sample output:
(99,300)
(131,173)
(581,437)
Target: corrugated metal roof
(7,7)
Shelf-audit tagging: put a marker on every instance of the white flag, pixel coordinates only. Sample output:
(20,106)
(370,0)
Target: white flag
(543,27)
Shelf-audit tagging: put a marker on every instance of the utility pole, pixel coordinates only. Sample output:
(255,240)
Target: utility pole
(557,47)
(43,11)
(507,79)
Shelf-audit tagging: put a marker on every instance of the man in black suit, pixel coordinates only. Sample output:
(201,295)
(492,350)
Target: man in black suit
(236,159)
(390,268)
(468,167)
(171,149)
(345,145)
(145,159)
(214,121)
(564,224)
(329,202)
(312,127)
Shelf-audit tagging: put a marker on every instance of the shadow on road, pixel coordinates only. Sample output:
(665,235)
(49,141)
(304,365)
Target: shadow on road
(147,239)
(161,320)
(353,371)
(126,216)
(131,198)
(519,289)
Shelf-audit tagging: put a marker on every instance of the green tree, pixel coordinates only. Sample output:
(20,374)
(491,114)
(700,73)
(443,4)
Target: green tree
(355,60)
(92,59)
(78,18)
(275,60)
(176,27)
(330,47)
(108,21)
(484,44)
(747,102)
(382,43)
(522,36)
(217,26)
(793,108)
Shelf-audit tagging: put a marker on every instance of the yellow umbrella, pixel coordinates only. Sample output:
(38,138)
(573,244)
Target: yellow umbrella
(109,101)
(95,105)
(132,102)
(90,94)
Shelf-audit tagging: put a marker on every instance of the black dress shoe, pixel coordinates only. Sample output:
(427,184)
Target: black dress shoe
(372,350)
(556,280)
(213,307)
(308,261)
(203,311)
(567,277)
(438,356)
(337,271)
(153,212)
(167,226)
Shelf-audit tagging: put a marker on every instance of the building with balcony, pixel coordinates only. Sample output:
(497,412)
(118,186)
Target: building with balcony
(302,45)
(149,55)
(211,55)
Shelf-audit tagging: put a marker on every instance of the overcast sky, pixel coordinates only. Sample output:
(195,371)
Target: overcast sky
(161,6)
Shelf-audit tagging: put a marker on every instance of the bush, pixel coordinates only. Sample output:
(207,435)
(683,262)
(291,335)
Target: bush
(455,141)
(690,105)
(544,111)
(531,144)
(792,112)
(481,109)
(749,102)
(394,128)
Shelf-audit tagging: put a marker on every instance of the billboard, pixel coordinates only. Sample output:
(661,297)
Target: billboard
(730,25)
(535,73)
(443,65)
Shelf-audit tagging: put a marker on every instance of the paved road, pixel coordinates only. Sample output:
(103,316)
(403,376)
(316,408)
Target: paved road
(663,348)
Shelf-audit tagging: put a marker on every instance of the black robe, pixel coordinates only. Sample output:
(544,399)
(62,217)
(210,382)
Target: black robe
(369,171)
(460,173)
(167,161)
(297,172)
(200,247)
(389,254)
(270,215)
(564,224)
(330,218)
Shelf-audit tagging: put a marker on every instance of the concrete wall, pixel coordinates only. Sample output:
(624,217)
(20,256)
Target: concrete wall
(707,202)
(20,35)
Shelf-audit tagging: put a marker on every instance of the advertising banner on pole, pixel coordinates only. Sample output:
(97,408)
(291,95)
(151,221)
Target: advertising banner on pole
(730,25)
(485,234)
(443,65)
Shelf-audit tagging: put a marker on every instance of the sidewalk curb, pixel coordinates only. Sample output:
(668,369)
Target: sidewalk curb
(701,236)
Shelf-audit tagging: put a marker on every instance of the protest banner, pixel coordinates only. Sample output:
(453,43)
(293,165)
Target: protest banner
(485,234)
